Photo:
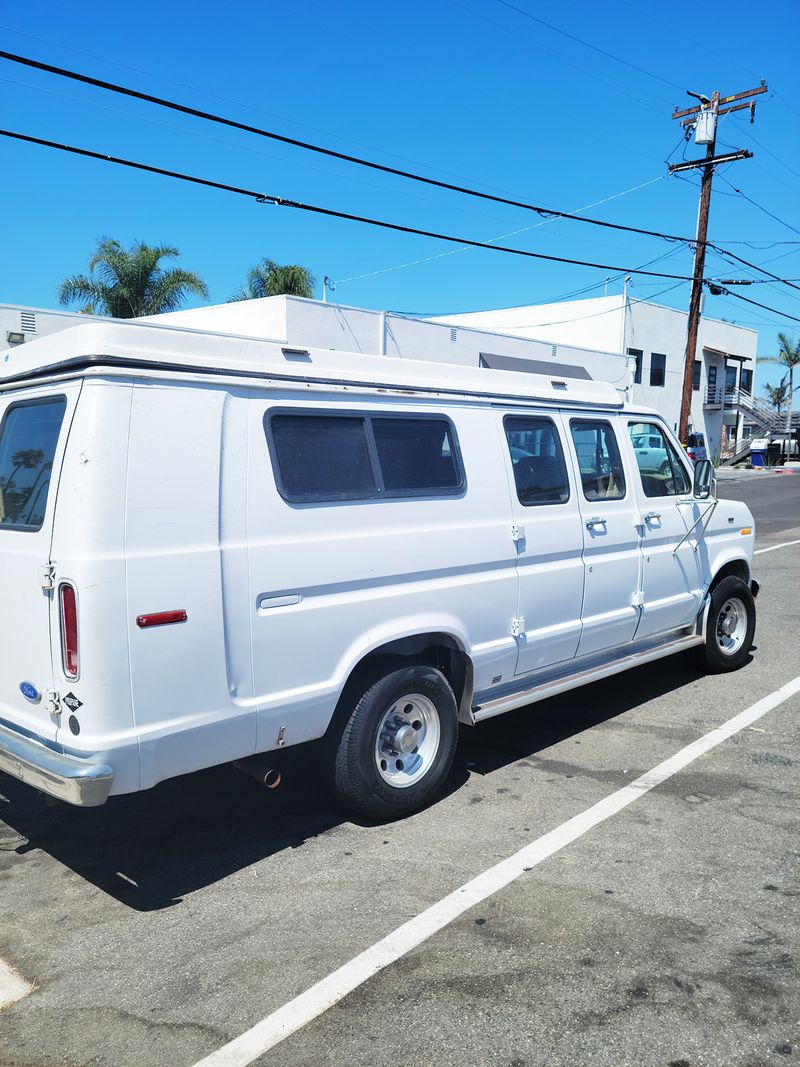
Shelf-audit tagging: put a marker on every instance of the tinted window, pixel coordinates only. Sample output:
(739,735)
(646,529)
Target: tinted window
(660,470)
(322,456)
(415,454)
(538,460)
(658,365)
(599,460)
(637,374)
(27,448)
(696,375)
(358,457)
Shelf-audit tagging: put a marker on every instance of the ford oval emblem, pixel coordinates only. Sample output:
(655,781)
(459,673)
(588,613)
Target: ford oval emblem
(30,692)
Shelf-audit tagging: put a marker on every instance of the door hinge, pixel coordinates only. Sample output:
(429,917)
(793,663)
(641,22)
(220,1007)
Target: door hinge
(518,626)
(637,599)
(52,701)
(48,576)
(517,532)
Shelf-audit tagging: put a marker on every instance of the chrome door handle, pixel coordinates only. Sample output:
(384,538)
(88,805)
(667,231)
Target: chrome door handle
(591,523)
(653,516)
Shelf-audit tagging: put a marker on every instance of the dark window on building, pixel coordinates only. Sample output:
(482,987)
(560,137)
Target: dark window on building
(540,472)
(637,375)
(28,440)
(360,457)
(658,368)
(599,460)
(660,469)
(698,366)
(415,454)
(747,381)
(712,377)
(730,378)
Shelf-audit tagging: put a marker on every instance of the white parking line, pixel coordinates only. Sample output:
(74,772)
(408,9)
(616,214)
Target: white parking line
(330,990)
(12,987)
(773,548)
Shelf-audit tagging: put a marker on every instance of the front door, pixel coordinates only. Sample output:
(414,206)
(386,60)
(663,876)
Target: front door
(611,543)
(671,580)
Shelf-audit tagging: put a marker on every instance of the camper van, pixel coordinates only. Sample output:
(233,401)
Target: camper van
(214,546)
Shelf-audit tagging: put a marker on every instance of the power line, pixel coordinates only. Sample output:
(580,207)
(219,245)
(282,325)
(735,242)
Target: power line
(750,200)
(766,307)
(185,109)
(278,201)
(586,44)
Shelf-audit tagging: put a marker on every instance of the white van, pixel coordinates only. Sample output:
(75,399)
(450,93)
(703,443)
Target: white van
(214,546)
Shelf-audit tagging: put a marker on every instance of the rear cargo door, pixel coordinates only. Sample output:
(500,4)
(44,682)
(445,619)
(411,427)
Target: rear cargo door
(33,430)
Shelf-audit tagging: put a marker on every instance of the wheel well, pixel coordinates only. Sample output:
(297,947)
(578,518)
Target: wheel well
(437,650)
(737,568)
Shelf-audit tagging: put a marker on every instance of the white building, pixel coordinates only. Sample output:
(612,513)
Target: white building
(605,338)
(655,337)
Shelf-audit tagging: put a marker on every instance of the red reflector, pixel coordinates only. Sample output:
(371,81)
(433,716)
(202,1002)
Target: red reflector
(69,630)
(160,618)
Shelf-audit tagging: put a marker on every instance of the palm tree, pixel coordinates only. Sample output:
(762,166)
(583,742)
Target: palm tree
(776,394)
(127,283)
(269,278)
(788,356)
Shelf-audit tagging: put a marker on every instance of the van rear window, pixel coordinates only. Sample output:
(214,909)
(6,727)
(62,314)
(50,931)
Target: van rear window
(362,457)
(28,439)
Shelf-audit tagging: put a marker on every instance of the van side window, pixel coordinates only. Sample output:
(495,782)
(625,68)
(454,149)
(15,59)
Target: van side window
(415,454)
(540,473)
(28,440)
(599,460)
(660,470)
(323,457)
(360,457)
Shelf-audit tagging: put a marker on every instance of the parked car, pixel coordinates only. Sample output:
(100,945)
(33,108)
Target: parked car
(696,447)
(211,549)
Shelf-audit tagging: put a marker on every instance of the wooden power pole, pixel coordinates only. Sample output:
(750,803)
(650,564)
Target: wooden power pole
(704,119)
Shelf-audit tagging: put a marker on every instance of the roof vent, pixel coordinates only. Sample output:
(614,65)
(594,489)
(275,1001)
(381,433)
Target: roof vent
(453,335)
(559,385)
(297,355)
(27,321)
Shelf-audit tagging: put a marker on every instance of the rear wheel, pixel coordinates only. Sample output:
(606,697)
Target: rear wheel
(731,626)
(397,743)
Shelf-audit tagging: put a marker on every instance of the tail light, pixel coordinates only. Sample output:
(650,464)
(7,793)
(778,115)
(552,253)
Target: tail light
(69,630)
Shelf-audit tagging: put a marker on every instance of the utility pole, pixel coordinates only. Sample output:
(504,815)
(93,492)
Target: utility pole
(704,119)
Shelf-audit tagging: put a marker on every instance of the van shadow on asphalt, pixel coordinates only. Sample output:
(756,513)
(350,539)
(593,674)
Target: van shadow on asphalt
(148,850)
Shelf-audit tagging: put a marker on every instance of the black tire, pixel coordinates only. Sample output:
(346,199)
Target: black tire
(715,657)
(353,768)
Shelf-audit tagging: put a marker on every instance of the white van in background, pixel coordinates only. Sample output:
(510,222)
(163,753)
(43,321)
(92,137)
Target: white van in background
(214,546)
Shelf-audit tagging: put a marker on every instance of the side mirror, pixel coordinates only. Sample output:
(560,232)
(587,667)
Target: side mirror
(703,479)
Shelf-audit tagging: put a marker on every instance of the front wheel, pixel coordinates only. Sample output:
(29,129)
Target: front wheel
(731,626)
(397,743)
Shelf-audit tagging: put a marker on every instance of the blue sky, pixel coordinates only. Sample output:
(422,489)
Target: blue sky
(468,90)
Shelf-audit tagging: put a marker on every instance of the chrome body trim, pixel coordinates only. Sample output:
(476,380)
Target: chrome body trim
(66,777)
(544,689)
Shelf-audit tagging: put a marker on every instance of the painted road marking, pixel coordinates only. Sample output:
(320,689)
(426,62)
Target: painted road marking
(12,987)
(773,548)
(306,1007)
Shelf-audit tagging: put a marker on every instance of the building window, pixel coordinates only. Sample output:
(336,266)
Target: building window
(747,381)
(696,375)
(730,378)
(637,352)
(658,368)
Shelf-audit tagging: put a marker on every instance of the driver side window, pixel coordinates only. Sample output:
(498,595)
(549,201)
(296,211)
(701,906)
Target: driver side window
(660,469)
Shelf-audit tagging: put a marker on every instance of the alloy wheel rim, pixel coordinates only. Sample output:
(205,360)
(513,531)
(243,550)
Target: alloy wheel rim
(731,626)
(407,740)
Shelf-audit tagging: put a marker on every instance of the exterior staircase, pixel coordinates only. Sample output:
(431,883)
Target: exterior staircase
(759,413)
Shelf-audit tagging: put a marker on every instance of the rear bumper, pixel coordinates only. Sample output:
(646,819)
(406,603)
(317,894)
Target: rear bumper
(77,781)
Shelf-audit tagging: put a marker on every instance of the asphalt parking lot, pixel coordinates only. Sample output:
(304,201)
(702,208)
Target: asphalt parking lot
(158,929)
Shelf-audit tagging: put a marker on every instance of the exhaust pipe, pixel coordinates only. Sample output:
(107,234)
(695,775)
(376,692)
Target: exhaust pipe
(260,771)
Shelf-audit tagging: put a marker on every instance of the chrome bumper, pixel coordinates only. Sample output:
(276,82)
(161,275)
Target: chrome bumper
(77,781)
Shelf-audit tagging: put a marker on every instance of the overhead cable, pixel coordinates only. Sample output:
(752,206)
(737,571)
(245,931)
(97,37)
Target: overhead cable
(278,201)
(747,300)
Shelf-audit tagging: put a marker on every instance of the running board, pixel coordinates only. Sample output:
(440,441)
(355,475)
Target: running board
(571,681)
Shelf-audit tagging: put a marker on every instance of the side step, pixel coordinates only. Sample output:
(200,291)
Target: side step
(554,686)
